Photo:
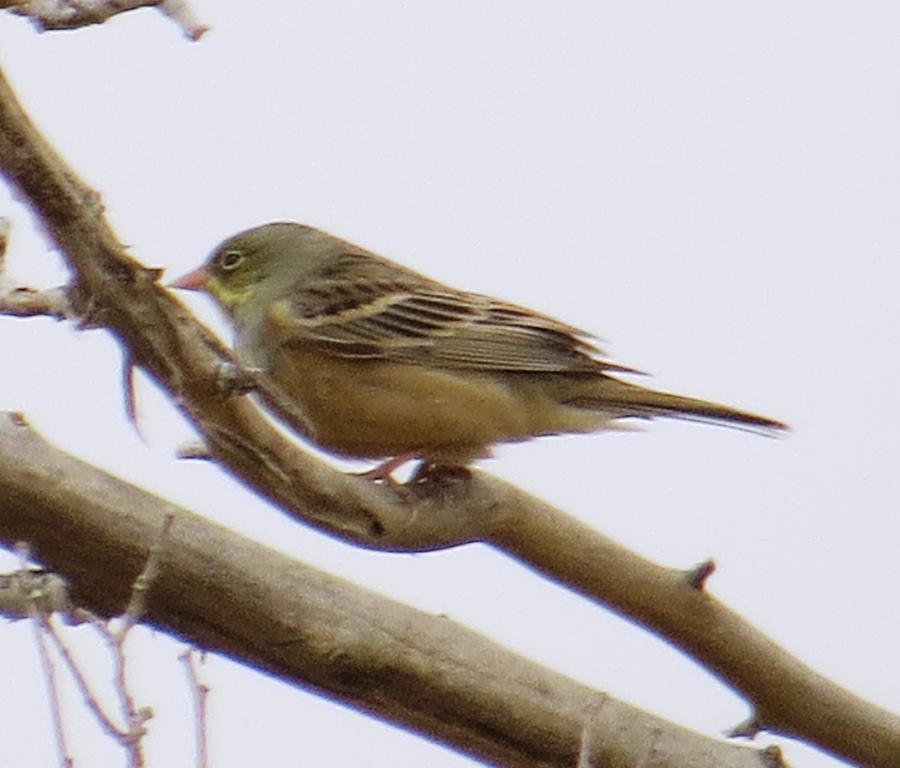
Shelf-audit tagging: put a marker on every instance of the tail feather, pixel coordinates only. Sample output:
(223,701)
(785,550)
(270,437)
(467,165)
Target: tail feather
(628,400)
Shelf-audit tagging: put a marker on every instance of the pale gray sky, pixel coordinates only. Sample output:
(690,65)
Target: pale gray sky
(713,188)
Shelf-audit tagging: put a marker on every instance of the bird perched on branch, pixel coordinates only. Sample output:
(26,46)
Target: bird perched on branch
(385,363)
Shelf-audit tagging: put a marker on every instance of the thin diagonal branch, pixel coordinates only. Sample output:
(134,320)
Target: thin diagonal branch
(200,692)
(49,670)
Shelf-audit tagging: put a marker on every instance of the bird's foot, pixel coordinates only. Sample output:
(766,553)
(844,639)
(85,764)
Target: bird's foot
(233,380)
(425,472)
(383,472)
(440,473)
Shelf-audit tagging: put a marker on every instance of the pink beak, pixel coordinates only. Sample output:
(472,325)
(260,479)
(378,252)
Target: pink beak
(192,281)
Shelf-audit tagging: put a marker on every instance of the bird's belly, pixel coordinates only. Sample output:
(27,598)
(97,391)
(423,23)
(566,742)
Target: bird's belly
(374,409)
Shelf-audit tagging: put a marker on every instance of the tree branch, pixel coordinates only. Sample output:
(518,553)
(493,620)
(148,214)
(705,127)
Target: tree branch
(225,593)
(74,14)
(113,290)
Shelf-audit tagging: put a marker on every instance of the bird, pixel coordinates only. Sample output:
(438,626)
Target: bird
(384,363)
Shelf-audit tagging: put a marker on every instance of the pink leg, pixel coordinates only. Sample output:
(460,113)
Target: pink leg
(383,471)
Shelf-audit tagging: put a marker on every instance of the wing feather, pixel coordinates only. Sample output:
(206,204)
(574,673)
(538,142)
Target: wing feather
(397,315)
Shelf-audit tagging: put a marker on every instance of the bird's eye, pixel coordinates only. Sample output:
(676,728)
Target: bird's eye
(231,260)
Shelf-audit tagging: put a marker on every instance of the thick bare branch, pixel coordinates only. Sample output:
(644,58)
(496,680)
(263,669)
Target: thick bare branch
(225,593)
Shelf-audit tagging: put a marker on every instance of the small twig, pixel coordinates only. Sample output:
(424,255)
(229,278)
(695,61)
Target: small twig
(129,395)
(73,14)
(22,301)
(591,717)
(697,576)
(772,757)
(145,579)
(584,750)
(87,694)
(44,629)
(65,760)
(200,691)
(135,718)
(194,451)
(26,587)
(748,729)
(180,12)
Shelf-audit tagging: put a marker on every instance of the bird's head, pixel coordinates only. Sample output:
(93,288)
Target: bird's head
(255,264)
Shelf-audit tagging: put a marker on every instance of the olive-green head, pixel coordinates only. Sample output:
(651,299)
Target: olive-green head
(252,266)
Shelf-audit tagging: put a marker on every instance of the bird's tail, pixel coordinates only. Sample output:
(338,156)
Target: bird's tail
(628,400)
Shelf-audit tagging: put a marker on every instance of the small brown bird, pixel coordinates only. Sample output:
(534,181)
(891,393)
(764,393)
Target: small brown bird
(385,363)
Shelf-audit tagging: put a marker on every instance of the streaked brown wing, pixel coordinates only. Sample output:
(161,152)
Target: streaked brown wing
(403,317)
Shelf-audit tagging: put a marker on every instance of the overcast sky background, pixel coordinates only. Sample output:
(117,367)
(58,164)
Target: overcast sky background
(711,188)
